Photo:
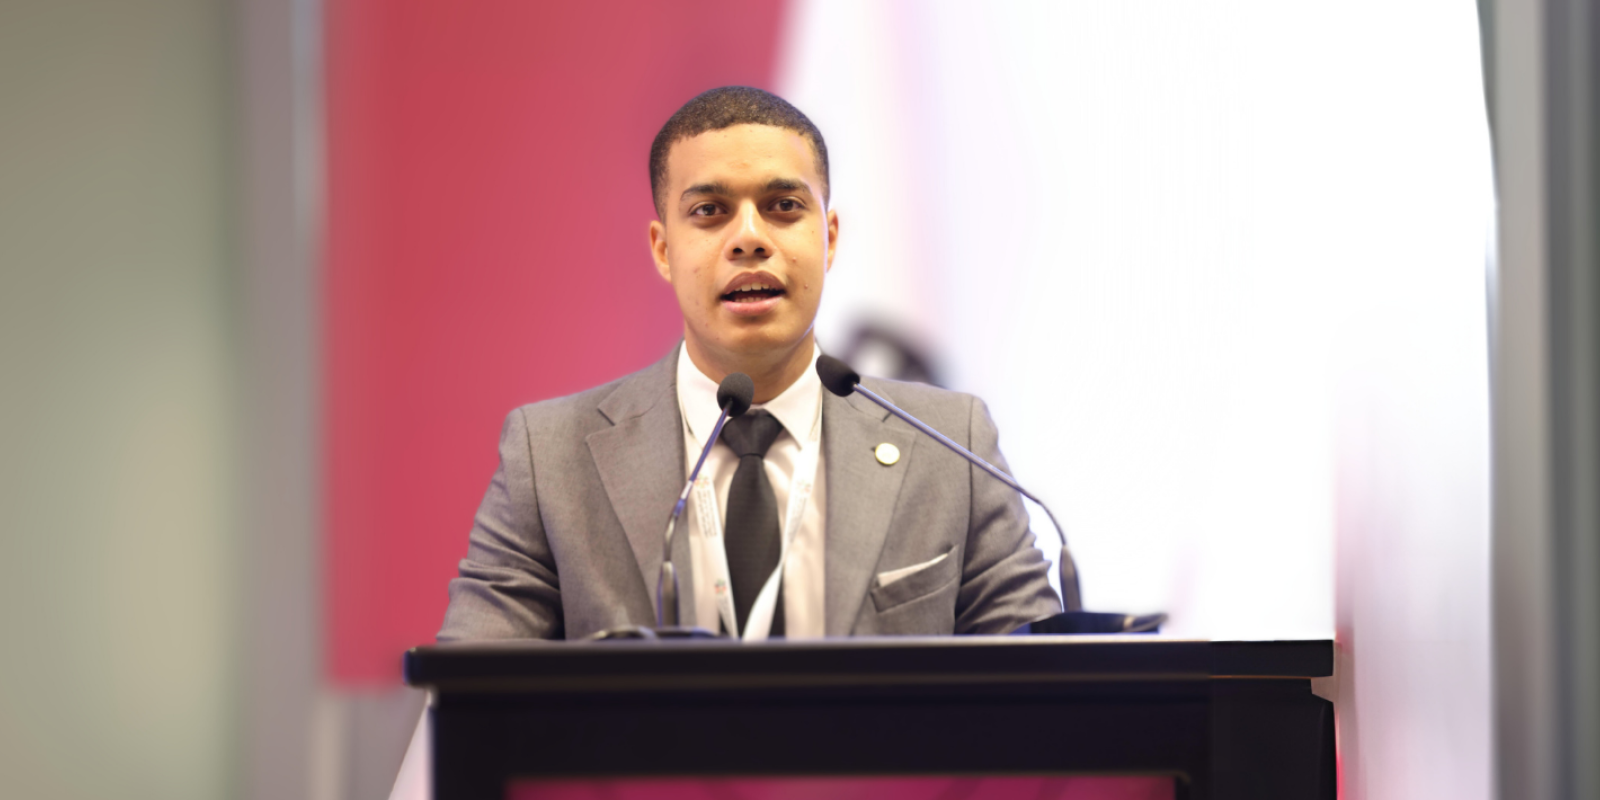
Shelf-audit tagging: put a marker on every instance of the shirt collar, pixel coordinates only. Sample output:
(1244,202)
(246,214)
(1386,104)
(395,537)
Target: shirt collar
(796,407)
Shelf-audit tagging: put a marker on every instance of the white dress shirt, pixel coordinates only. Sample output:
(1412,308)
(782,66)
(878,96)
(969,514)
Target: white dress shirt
(798,408)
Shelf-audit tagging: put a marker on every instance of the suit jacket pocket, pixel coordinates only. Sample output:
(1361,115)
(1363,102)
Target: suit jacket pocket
(900,586)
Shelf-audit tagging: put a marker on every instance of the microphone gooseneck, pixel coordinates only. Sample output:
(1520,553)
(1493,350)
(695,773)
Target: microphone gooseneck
(840,379)
(734,396)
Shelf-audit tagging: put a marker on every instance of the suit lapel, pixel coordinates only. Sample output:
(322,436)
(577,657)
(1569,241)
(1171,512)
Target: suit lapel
(861,495)
(641,464)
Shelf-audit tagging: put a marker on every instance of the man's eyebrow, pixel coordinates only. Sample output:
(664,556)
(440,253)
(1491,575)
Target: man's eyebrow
(786,185)
(706,188)
(721,189)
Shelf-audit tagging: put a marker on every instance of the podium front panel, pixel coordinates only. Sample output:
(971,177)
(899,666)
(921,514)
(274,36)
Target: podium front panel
(1234,720)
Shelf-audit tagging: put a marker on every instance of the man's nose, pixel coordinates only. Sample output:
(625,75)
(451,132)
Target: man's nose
(749,239)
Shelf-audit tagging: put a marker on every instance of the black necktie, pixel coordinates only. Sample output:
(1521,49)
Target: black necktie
(752,538)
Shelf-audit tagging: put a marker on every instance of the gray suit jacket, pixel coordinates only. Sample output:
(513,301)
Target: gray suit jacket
(568,539)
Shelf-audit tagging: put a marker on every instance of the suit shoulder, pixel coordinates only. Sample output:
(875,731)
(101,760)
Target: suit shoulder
(585,411)
(567,407)
(909,394)
(946,409)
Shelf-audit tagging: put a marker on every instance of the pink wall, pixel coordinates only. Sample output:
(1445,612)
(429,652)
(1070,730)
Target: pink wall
(487,202)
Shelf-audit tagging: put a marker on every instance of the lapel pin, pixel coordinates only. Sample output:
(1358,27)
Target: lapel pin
(887,454)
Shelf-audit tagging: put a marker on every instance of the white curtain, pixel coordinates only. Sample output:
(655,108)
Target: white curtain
(1218,270)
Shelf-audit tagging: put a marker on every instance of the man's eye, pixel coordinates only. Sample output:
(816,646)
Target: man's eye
(786,204)
(703,210)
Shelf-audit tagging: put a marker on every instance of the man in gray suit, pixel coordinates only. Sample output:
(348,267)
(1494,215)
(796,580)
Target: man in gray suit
(840,520)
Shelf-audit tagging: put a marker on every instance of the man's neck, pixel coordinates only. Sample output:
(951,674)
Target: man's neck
(772,372)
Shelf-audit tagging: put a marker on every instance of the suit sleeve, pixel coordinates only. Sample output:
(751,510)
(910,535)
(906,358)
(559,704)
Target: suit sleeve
(507,587)
(1005,580)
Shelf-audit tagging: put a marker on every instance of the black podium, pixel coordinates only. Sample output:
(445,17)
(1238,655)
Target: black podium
(1231,720)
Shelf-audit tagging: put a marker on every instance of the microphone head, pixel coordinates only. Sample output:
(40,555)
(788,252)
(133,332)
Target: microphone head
(735,394)
(837,376)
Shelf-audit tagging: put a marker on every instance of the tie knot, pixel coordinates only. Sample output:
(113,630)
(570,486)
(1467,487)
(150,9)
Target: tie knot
(751,434)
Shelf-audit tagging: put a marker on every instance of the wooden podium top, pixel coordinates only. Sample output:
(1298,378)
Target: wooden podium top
(545,666)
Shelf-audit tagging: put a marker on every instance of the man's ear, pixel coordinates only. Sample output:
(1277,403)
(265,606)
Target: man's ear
(833,238)
(658,249)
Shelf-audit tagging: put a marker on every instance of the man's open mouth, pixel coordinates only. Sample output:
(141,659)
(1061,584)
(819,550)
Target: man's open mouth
(753,293)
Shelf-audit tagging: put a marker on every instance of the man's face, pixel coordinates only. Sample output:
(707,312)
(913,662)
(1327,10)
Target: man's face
(745,240)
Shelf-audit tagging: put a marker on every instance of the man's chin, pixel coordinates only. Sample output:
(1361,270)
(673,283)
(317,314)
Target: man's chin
(760,344)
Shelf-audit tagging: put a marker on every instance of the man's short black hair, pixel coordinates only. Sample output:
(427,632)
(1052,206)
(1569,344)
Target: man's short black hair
(724,108)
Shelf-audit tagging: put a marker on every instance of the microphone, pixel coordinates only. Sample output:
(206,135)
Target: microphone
(840,379)
(734,396)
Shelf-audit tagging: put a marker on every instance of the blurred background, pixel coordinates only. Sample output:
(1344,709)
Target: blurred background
(1231,277)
